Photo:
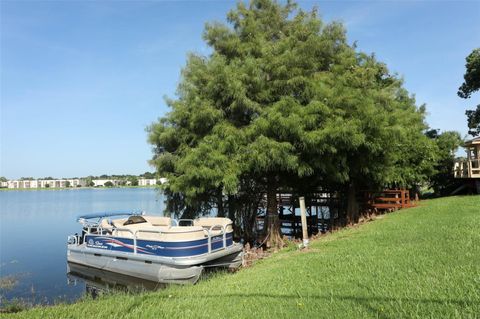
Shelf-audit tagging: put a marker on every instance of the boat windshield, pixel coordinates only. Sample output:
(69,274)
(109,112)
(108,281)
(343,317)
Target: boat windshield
(95,218)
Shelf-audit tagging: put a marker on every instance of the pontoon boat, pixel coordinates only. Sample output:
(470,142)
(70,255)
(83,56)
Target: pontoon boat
(154,248)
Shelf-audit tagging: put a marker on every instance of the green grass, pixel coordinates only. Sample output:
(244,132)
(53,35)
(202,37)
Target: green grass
(421,262)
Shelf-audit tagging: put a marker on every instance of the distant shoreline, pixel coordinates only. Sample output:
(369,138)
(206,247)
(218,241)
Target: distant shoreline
(73,188)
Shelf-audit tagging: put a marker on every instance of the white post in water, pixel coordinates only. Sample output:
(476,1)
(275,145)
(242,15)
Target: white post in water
(303,213)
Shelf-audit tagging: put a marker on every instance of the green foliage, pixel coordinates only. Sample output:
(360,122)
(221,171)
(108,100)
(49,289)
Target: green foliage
(3,179)
(148,175)
(422,262)
(108,184)
(470,85)
(132,180)
(282,102)
(442,180)
(472,75)
(89,181)
(14,306)
(473,121)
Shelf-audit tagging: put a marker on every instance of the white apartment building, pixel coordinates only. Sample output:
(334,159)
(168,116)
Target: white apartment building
(102,182)
(63,183)
(42,183)
(147,181)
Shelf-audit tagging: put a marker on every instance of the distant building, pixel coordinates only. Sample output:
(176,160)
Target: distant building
(45,183)
(102,182)
(147,181)
(77,182)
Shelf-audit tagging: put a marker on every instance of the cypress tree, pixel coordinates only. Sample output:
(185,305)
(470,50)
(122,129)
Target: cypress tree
(284,99)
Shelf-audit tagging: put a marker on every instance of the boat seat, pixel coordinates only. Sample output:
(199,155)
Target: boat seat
(158,220)
(105,224)
(207,222)
(162,231)
(119,222)
(166,233)
(183,233)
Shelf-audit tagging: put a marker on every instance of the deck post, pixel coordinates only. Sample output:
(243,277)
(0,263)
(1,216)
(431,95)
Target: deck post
(293,219)
(304,221)
(311,218)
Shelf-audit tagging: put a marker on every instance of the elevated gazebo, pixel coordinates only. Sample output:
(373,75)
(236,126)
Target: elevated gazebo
(470,167)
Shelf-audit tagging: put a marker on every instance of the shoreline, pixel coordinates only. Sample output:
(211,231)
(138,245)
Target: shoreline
(72,188)
(360,271)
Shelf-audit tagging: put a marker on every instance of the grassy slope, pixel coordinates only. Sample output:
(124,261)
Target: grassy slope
(422,262)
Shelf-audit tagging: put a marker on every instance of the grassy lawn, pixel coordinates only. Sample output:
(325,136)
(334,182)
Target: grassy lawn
(421,262)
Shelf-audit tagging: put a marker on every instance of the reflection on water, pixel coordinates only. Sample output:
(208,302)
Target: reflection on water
(98,282)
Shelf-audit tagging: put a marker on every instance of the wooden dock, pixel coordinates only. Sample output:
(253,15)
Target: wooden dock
(323,213)
(326,211)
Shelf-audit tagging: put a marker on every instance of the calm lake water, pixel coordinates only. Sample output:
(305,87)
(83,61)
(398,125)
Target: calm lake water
(34,226)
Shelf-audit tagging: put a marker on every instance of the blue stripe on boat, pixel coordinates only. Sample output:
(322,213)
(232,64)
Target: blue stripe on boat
(158,248)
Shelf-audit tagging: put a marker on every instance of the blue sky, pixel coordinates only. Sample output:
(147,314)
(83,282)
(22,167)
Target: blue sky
(80,81)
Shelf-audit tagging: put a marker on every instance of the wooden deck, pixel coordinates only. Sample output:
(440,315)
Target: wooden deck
(388,199)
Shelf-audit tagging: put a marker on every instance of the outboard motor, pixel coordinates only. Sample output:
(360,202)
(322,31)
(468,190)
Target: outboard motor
(84,231)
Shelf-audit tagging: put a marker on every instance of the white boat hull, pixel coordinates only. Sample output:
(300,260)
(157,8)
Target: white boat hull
(184,270)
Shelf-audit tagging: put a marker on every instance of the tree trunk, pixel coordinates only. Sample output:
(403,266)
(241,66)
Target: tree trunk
(352,205)
(272,222)
(220,209)
(231,208)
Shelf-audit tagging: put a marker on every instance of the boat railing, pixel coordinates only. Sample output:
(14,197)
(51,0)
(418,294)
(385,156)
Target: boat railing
(72,239)
(209,234)
(75,240)
(151,231)
(134,234)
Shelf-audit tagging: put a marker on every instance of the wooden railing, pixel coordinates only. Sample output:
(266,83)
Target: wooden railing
(467,168)
(389,199)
